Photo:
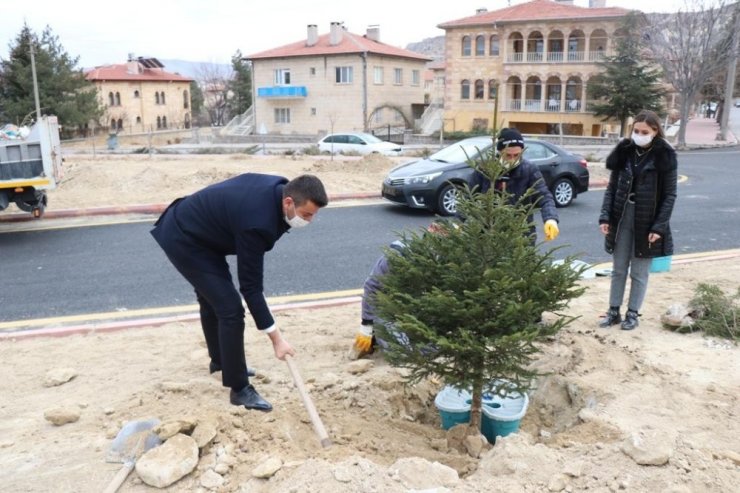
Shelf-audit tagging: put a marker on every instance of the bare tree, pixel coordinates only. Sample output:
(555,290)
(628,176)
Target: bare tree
(691,46)
(214,82)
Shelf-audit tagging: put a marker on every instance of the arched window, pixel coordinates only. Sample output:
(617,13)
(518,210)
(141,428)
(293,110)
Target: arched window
(480,45)
(112,124)
(494,47)
(161,97)
(159,118)
(118,99)
(185,100)
(136,94)
(156,99)
(111,100)
(120,124)
(479,89)
(187,121)
(465,89)
(164,122)
(466,46)
(492,89)
(138,120)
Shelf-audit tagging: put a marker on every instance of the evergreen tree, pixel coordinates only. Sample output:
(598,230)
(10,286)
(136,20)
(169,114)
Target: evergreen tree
(627,83)
(468,299)
(196,102)
(63,90)
(240,85)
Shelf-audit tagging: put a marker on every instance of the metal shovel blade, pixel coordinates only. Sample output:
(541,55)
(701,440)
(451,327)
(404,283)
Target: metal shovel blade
(134,438)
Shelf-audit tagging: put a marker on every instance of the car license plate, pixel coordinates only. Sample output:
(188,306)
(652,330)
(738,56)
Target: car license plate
(389,191)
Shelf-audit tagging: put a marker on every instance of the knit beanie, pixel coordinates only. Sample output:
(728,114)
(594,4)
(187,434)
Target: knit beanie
(509,137)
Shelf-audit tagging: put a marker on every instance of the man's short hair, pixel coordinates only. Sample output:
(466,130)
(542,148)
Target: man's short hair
(304,188)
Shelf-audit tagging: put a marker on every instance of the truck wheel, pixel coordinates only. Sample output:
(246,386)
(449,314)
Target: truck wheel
(35,206)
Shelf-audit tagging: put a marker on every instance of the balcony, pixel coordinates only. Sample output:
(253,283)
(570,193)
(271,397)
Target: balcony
(282,92)
(555,57)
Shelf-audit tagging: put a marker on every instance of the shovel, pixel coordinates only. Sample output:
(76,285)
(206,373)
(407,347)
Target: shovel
(318,426)
(135,438)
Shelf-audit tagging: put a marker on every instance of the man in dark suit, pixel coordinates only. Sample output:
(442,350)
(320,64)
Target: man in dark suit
(242,216)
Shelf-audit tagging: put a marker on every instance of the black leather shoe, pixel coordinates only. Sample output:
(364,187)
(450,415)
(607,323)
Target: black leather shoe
(612,317)
(249,398)
(630,320)
(214,367)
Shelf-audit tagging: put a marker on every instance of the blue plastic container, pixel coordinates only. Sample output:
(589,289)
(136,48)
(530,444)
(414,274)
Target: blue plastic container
(453,405)
(661,264)
(503,415)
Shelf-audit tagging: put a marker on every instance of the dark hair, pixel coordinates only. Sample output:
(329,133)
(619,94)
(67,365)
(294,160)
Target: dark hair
(652,120)
(304,188)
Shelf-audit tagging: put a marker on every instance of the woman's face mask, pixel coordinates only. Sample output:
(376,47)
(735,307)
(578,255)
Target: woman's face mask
(642,134)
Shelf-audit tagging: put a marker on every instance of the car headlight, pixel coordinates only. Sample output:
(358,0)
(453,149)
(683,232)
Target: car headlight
(422,179)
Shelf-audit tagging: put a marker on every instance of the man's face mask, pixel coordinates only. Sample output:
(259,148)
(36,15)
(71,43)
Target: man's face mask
(296,221)
(511,157)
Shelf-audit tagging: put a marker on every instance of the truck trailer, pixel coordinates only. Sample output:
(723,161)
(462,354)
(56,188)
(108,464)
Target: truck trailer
(31,165)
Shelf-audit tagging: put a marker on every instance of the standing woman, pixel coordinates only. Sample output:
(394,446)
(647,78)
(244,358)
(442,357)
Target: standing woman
(636,212)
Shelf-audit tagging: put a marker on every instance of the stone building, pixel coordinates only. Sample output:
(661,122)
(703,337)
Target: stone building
(140,96)
(536,58)
(338,81)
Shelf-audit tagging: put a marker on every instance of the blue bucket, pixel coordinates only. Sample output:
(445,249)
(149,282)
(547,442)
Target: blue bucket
(661,264)
(453,405)
(503,415)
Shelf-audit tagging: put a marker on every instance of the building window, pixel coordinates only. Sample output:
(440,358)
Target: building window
(343,75)
(164,122)
(398,76)
(136,94)
(112,123)
(282,76)
(156,99)
(465,89)
(478,89)
(378,75)
(138,120)
(480,45)
(118,99)
(379,116)
(415,78)
(111,99)
(466,46)
(159,118)
(313,111)
(492,89)
(312,71)
(494,47)
(120,124)
(161,97)
(185,99)
(282,115)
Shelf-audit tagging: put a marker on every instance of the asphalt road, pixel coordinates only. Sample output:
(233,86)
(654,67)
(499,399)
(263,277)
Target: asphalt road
(119,267)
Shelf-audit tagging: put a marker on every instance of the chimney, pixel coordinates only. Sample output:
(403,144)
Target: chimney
(313,35)
(132,64)
(373,32)
(596,4)
(481,10)
(335,33)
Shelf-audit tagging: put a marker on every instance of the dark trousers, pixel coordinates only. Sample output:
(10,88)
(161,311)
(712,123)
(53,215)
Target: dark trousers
(221,317)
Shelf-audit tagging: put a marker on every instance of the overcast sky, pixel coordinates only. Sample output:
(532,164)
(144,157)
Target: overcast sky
(213,30)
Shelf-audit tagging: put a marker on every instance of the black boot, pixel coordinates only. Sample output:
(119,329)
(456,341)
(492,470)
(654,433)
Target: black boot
(612,317)
(630,320)
(249,398)
(214,367)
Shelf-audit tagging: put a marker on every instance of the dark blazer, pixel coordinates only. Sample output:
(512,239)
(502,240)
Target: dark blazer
(655,196)
(241,216)
(518,181)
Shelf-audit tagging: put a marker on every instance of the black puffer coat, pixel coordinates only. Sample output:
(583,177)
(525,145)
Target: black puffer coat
(655,195)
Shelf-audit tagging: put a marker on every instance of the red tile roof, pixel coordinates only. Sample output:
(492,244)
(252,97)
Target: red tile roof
(536,10)
(121,72)
(350,43)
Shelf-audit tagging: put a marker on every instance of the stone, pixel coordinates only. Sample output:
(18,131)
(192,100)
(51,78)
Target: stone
(574,469)
(168,429)
(677,316)
(211,480)
(164,465)
(267,468)
(59,376)
(653,449)
(343,474)
(59,416)
(420,474)
(221,468)
(558,482)
(474,445)
(729,455)
(176,387)
(204,432)
(360,366)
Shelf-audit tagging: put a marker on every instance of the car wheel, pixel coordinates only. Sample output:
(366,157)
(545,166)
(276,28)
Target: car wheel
(563,192)
(447,200)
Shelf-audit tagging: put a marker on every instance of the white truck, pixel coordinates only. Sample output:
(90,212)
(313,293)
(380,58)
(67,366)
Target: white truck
(31,165)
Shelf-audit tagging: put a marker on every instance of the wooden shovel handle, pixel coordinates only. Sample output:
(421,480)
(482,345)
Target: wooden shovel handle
(318,426)
(119,478)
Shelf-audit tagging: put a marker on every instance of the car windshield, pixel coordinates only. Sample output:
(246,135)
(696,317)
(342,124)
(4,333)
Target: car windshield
(461,151)
(370,139)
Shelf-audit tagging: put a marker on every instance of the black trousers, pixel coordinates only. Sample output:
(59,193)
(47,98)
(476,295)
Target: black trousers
(221,316)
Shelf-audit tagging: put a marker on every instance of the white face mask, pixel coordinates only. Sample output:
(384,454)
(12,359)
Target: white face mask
(641,140)
(296,221)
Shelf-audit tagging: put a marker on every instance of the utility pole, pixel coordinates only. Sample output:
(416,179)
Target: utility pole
(730,85)
(35,84)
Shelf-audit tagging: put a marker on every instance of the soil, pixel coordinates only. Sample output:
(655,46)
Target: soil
(609,400)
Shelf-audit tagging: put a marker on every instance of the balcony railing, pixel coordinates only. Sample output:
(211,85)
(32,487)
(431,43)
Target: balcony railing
(546,106)
(284,92)
(555,57)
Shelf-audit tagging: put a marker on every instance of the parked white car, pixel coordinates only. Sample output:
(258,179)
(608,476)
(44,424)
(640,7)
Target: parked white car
(358,142)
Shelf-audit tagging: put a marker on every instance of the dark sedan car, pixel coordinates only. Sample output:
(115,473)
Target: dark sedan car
(430,183)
